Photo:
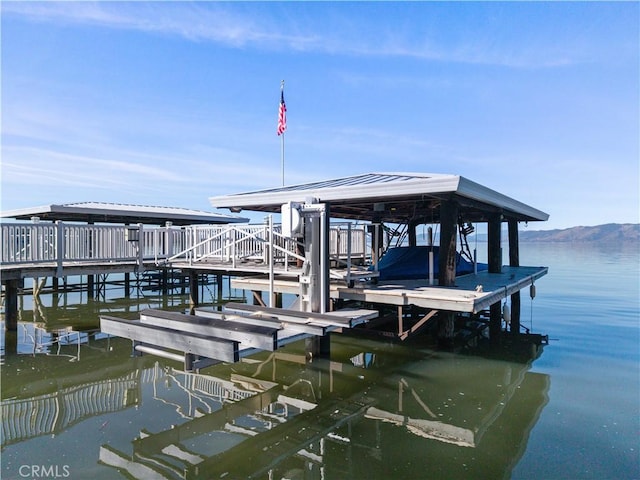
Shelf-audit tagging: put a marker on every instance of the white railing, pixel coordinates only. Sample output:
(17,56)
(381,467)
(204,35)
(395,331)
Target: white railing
(98,243)
(59,243)
(233,243)
(29,243)
(341,250)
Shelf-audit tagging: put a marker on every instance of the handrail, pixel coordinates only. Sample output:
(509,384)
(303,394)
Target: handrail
(59,243)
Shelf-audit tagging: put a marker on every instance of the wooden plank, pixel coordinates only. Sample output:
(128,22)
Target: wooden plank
(210,347)
(251,336)
(348,319)
(268,321)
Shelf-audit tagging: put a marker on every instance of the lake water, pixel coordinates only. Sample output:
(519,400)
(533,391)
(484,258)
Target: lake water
(79,406)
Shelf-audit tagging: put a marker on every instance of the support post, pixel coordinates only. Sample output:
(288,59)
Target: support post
(317,347)
(494,252)
(60,248)
(447,266)
(325,234)
(127,285)
(164,281)
(411,231)
(194,288)
(11,304)
(271,261)
(448,232)
(91,289)
(219,289)
(514,261)
(314,293)
(446,328)
(141,246)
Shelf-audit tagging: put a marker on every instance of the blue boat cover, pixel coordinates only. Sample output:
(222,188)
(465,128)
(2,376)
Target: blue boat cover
(413,263)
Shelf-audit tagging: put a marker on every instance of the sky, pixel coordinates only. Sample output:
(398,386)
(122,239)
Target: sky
(170,103)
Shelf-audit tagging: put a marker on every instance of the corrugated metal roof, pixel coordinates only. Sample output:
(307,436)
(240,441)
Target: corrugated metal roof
(121,213)
(357,180)
(405,196)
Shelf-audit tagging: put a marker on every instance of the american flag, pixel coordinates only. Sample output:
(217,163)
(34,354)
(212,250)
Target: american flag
(282,115)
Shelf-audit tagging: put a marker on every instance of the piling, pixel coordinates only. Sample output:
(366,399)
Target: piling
(11,304)
(447,265)
(514,261)
(317,347)
(494,254)
(194,291)
(91,293)
(219,285)
(448,232)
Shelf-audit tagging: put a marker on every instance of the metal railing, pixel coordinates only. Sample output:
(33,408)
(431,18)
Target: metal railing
(234,243)
(62,243)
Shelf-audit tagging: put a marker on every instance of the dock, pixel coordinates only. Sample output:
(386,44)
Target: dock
(327,252)
(472,293)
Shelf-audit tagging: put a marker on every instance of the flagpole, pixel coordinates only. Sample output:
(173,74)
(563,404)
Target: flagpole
(282,137)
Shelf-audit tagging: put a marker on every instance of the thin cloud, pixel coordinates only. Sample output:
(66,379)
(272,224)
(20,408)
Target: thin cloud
(242,26)
(20,163)
(191,21)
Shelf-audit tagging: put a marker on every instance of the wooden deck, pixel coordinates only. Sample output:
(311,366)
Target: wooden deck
(466,296)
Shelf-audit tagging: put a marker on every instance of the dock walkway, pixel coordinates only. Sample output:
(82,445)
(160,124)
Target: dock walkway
(39,249)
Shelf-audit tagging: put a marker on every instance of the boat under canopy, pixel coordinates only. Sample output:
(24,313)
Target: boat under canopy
(412,263)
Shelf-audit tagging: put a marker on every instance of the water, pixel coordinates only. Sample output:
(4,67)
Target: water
(83,407)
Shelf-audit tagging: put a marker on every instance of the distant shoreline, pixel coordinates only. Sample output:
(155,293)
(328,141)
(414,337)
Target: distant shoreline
(614,233)
(607,233)
(610,233)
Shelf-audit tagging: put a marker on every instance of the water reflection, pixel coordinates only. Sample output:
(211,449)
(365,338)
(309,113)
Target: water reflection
(373,410)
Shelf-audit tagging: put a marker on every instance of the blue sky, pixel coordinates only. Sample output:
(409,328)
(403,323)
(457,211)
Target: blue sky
(169,103)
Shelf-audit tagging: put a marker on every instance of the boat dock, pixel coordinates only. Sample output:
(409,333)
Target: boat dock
(328,251)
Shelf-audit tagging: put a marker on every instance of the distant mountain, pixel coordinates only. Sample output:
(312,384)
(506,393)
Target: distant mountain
(611,232)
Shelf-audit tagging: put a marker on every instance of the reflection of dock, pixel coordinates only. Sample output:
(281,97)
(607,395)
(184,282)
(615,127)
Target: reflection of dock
(327,418)
(268,449)
(266,427)
(55,412)
(280,431)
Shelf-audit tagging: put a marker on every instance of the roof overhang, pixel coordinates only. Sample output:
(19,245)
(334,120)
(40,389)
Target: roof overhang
(96,212)
(389,197)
